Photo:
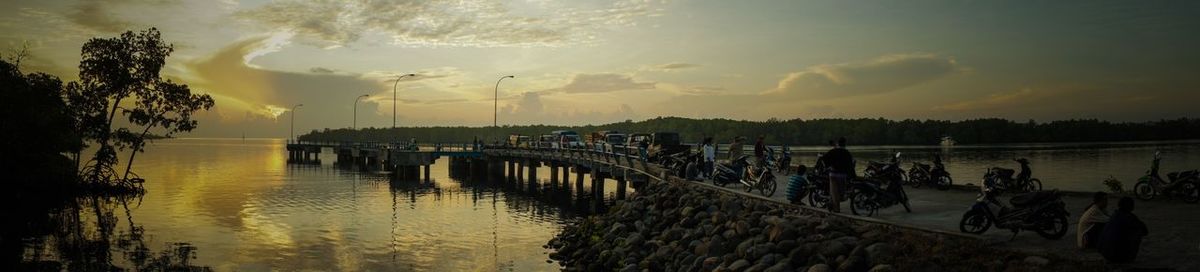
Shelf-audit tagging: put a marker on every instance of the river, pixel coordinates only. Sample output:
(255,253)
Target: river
(238,205)
(241,206)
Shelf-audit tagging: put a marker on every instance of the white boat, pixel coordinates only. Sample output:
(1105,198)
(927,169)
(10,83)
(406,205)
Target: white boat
(948,141)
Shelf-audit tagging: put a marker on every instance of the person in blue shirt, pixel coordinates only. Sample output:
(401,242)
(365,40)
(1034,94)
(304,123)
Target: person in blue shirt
(796,185)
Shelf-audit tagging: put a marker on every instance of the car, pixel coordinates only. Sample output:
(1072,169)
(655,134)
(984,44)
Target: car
(518,140)
(570,142)
(633,142)
(546,141)
(613,142)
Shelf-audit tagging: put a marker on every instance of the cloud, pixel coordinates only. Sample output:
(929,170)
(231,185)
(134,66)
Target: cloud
(101,15)
(674,66)
(389,77)
(446,22)
(881,75)
(997,100)
(321,70)
(529,108)
(601,83)
(241,87)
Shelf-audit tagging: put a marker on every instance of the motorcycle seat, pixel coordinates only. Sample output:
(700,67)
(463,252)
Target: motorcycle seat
(1004,172)
(1028,199)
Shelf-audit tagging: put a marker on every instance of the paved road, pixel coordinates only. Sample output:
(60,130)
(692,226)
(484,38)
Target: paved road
(1174,239)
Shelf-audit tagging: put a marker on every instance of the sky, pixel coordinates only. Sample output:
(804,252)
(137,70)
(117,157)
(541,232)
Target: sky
(594,62)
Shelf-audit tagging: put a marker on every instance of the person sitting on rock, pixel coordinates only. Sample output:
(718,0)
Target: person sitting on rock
(1122,235)
(1091,223)
(796,185)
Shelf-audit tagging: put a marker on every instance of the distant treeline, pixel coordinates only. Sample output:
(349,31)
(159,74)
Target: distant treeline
(812,132)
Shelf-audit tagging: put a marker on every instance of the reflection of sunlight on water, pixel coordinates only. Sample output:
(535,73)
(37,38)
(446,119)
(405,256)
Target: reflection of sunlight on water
(245,208)
(264,230)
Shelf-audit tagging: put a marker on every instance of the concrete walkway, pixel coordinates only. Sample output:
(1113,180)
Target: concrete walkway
(1174,240)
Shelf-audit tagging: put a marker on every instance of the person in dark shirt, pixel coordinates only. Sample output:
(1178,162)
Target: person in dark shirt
(760,152)
(841,165)
(1122,235)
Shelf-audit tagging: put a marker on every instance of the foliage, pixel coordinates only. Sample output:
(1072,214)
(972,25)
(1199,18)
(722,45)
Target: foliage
(814,131)
(37,130)
(1114,185)
(121,75)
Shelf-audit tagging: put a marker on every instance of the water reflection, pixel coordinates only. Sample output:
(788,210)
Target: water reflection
(85,234)
(234,205)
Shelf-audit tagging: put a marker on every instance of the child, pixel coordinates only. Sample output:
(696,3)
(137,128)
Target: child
(796,184)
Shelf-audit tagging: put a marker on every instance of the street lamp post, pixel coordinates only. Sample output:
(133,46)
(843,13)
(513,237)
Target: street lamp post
(394,97)
(292,130)
(496,102)
(355,125)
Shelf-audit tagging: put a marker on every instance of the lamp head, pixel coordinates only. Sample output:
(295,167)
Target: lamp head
(510,76)
(411,75)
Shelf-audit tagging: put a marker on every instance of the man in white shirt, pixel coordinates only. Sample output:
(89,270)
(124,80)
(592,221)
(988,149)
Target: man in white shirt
(710,156)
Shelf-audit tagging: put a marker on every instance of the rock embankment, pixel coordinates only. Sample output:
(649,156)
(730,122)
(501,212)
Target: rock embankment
(677,227)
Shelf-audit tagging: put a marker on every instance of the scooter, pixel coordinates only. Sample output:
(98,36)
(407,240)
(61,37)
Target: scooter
(1001,179)
(1041,212)
(866,198)
(730,172)
(784,162)
(1182,184)
(936,175)
(886,171)
(759,177)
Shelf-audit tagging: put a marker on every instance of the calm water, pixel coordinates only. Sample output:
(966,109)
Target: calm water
(237,205)
(242,207)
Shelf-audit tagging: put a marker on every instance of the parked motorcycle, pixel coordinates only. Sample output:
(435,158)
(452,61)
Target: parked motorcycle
(886,171)
(936,175)
(760,177)
(784,162)
(1178,184)
(1041,212)
(676,163)
(866,198)
(1001,179)
(730,172)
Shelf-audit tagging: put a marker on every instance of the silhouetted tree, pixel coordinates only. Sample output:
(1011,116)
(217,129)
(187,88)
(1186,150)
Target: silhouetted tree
(37,130)
(121,75)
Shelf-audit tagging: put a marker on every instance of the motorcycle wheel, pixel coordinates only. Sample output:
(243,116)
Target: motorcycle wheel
(1055,227)
(974,222)
(768,188)
(860,203)
(1035,185)
(1190,193)
(1144,190)
(944,182)
(815,199)
(915,179)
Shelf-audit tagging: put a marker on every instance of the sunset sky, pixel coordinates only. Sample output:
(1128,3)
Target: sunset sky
(579,62)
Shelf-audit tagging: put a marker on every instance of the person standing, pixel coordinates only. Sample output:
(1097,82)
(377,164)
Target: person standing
(1122,235)
(1092,221)
(841,165)
(735,148)
(710,156)
(760,151)
(643,147)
